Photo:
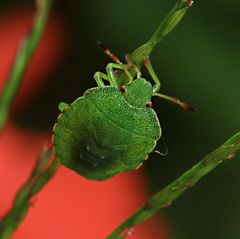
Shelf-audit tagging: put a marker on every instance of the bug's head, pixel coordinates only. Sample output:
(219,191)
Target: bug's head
(138,93)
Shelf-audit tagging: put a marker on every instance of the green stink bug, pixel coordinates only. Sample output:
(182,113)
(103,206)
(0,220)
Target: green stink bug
(111,128)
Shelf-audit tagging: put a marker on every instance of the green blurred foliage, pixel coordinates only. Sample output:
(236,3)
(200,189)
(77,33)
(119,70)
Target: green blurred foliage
(199,63)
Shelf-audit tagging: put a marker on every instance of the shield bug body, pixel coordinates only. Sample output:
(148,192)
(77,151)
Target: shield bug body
(111,128)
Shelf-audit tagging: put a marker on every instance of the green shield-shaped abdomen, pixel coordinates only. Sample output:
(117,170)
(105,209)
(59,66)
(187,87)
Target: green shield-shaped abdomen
(100,134)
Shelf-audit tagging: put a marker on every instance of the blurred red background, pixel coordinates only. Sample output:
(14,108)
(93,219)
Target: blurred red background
(69,206)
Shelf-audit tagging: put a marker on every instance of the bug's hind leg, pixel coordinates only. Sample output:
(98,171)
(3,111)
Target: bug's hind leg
(157,86)
(152,73)
(175,101)
(99,77)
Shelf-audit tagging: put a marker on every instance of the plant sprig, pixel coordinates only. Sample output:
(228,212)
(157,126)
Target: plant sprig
(167,195)
(171,20)
(138,56)
(22,59)
(45,168)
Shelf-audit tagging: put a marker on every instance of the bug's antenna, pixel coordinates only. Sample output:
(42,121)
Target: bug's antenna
(176,101)
(108,52)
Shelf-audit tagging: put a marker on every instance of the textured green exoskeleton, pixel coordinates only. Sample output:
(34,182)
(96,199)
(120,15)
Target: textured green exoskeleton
(112,128)
(107,131)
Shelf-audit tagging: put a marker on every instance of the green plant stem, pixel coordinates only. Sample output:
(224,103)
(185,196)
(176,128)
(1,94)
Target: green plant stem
(167,25)
(138,56)
(43,171)
(25,51)
(167,195)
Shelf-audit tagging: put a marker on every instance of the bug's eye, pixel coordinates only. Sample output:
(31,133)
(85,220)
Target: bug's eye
(123,88)
(149,104)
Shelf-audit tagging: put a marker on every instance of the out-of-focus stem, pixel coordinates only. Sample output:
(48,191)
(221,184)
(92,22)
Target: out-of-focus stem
(22,59)
(43,171)
(167,195)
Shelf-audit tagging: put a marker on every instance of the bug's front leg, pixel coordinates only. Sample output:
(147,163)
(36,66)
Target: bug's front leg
(111,75)
(152,73)
(99,76)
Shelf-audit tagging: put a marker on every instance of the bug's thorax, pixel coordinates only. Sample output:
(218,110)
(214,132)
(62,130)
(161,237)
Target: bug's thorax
(138,93)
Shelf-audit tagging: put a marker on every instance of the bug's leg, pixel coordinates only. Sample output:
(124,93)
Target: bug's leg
(152,73)
(62,106)
(126,71)
(175,101)
(136,68)
(139,73)
(99,76)
(108,52)
(110,72)
(157,86)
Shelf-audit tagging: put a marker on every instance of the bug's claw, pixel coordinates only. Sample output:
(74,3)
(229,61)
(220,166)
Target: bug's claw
(189,3)
(187,106)
(192,109)
(176,101)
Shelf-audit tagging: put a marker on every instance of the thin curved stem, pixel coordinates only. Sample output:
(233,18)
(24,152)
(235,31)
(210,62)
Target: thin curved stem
(138,56)
(43,171)
(24,54)
(167,25)
(167,195)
